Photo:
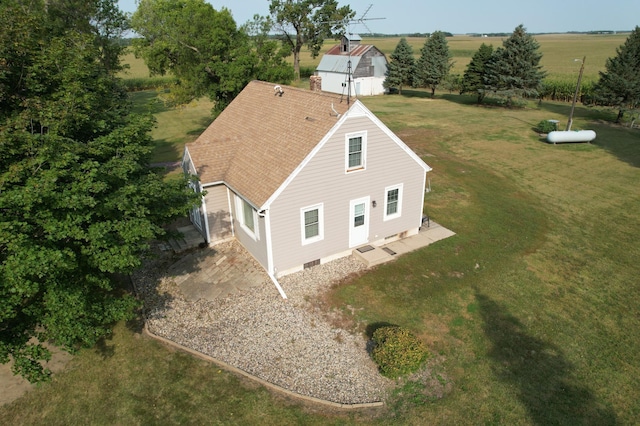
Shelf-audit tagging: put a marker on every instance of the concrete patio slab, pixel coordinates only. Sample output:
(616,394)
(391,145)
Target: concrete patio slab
(385,253)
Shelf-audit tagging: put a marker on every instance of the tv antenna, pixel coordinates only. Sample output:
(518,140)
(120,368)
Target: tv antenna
(347,23)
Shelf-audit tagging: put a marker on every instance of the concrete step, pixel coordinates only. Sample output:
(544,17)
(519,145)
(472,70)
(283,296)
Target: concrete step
(371,255)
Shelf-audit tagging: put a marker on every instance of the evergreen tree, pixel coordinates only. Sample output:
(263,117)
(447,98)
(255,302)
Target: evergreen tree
(401,67)
(78,200)
(619,85)
(513,70)
(434,63)
(473,79)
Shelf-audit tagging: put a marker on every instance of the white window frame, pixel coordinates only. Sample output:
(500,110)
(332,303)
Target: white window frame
(398,213)
(363,163)
(315,238)
(240,205)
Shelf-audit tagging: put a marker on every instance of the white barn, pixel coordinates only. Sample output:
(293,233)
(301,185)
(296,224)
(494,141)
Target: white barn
(368,68)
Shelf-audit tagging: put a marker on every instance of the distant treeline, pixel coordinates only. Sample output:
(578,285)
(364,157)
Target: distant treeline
(568,32)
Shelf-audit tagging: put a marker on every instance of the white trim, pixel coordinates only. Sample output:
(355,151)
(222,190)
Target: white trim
(320,236)
(352,203)
(205,217)
(363,151)
(267,236)
(304,162)
(392,135)
(358,109)
(233,231)
(424,190)
(398,212)
(240,204)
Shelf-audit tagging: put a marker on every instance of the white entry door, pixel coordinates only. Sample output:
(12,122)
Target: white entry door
(359,222)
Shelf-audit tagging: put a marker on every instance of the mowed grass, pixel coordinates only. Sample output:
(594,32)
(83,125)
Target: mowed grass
(534,304)
(175,125)
(531,310)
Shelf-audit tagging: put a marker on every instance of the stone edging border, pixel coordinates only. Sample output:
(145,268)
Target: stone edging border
(269,385)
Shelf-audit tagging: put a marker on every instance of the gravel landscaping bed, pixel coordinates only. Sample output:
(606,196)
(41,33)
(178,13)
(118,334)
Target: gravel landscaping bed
(290,343)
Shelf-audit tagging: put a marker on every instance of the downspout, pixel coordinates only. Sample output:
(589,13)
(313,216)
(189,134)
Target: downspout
(206,219)
(270,267)
(233,233)
(424,189)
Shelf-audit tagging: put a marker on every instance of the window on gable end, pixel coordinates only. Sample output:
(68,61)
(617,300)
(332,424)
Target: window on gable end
(355,151)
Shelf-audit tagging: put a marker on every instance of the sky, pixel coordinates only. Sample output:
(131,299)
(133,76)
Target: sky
(465,16)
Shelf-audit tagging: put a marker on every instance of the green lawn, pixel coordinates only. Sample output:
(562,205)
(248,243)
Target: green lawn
(175,126)
(531,310)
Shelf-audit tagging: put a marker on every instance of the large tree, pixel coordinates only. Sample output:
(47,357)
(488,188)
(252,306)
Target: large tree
(619,85)
(79,202)
(307,22)
(474,75)
(401,67)
(434,63)
(514,70)
(203,48)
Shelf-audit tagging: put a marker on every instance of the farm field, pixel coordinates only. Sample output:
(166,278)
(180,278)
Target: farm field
(531,311)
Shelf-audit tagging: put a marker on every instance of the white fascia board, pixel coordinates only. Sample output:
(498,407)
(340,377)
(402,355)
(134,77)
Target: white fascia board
(304,162)
(365,111)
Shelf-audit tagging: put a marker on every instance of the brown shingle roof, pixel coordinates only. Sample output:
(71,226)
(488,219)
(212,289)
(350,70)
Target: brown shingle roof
(262,136)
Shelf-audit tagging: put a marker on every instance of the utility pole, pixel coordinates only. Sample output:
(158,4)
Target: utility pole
(575,95)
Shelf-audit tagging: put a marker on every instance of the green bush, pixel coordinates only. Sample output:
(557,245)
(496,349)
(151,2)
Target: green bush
(397,351)
(545,126)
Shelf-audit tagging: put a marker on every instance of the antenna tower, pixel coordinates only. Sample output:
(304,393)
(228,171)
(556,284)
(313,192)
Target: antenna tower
(347,23)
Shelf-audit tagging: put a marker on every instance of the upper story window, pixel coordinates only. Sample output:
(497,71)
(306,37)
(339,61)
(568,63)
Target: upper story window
(392,202)
(355,151)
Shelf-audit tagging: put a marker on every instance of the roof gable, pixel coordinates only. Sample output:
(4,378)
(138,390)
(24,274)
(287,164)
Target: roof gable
(257,142)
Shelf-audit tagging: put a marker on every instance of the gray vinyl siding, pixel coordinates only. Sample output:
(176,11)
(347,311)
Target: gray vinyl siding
(257,248)
(218,215)
(323,180)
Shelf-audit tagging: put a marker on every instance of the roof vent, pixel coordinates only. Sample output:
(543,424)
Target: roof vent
(278,90)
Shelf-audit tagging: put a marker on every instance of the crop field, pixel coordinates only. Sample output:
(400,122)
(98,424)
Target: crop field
(531,311)
(558,50)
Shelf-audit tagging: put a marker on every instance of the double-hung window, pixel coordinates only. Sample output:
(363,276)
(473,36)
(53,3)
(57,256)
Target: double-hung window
(392,202)
(355,151)
(311,222)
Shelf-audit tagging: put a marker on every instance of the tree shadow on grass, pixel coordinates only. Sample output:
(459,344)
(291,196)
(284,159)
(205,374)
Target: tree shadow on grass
(544,378)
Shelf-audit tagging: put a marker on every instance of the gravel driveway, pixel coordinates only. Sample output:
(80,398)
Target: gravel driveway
(290,343)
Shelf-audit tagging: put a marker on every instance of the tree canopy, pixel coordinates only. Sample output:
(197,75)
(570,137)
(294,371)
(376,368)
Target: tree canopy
(79,202)
(307,22)
(401,67)
(474,75)
(514,70)
(203,48)
(434,63)
(619,85)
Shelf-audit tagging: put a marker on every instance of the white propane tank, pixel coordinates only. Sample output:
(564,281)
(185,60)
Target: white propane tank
(571,136)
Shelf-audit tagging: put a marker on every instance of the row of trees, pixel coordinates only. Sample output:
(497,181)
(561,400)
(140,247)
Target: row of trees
(509,72)
(79,201)
(513,71)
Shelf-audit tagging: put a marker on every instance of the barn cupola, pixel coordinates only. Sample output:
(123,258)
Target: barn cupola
(349,42)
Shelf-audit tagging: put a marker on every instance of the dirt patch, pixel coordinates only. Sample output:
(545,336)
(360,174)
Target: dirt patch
(13,387)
